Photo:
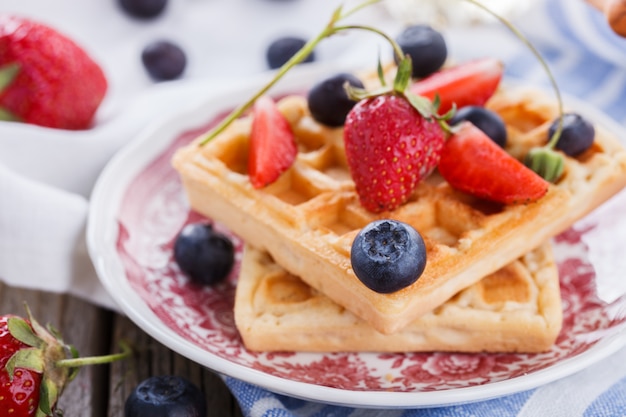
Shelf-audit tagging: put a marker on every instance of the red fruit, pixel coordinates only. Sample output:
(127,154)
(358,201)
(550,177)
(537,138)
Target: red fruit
(35,366)
(473,163)
(56,85)
(272,145)
(468,84)
(390,148)
(19,396)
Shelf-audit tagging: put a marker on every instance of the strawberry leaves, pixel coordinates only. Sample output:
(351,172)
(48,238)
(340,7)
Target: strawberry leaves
(37,355)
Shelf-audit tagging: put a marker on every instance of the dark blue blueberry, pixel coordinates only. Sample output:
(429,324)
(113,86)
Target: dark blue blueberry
(328,101)
(577,135)
(203,254)
(486,120)
(282,49)
(165,396)
(143,9)
(426,47)
(164,60)
(388,255)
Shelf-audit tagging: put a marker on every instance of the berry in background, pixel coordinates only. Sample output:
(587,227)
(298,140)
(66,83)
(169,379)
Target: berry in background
(282,49)
(328,100)
(143,9)
(164,60)
(426,47)
(166,396)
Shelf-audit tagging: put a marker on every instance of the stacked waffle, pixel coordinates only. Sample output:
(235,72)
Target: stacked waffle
(490,283)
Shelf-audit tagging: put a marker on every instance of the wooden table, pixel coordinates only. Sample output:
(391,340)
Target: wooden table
(101,390)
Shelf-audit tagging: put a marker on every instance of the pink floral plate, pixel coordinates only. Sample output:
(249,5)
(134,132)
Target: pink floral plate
(138,207)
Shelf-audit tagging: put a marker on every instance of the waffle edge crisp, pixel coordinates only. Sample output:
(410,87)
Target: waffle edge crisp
(515,309)
(308,218)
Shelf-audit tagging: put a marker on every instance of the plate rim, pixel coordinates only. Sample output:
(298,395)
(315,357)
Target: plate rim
(108,268)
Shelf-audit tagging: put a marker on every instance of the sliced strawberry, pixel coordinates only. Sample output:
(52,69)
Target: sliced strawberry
(272,145)
(468,84)
(474,164)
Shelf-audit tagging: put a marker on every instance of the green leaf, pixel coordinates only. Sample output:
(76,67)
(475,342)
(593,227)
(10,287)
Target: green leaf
(22,331)
(421,104)
(381,71)
(48,394)
(7,74)
(29,358)
(7,116)
(358,94)
(403,76)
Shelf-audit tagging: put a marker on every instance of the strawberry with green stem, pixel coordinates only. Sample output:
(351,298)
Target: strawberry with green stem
(36,365)
(393,140)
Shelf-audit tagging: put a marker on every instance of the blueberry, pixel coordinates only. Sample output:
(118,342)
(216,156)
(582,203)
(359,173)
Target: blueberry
(282,49)
(388,255)
(205,255)
(164,60)
(165,396)
(143,9)
(426,47)
(486,120)
(577,135)
(328,101)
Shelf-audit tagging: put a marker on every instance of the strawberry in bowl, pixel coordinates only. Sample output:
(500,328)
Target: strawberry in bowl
(46,79)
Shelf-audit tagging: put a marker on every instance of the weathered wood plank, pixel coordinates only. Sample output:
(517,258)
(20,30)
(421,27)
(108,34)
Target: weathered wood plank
(153,358)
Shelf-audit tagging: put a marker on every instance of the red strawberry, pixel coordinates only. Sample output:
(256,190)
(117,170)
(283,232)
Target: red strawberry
(35,366)
(23,396)
(473,163)
(272,145)
(390,148)
(45,78)
(468,84)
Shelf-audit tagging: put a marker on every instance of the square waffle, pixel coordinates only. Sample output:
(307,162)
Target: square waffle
(308,219)
(515,309)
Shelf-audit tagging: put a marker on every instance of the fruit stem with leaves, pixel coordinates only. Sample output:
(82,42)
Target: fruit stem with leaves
(543,160)
(47,354)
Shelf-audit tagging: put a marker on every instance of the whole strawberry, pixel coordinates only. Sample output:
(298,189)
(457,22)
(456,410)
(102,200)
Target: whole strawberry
(393,141)
(35,367)
(46,79)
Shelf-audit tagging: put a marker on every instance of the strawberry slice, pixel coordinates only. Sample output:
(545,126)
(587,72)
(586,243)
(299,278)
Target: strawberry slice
(468,84)
(474,164)
(272,144)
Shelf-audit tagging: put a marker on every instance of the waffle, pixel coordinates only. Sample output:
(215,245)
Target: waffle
(515,309)
(308,219)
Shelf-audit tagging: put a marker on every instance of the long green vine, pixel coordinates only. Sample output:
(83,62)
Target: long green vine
(543,160)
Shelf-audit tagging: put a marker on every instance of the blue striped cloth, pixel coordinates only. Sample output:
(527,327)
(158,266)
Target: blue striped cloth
(589,62)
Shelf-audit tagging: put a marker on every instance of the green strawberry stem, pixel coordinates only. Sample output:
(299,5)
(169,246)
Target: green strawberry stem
(329,29)
(543,160)
(126,351)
